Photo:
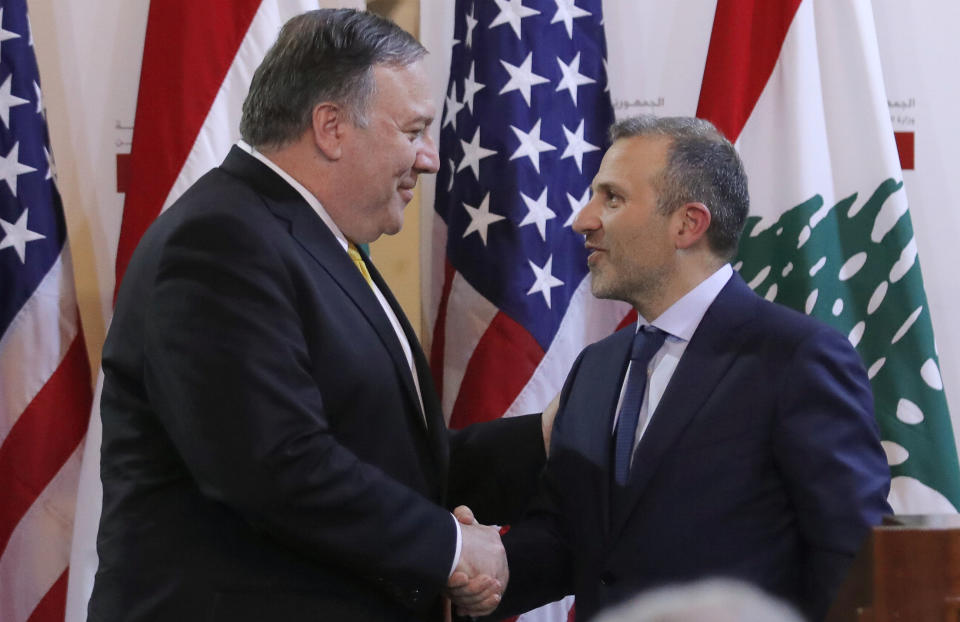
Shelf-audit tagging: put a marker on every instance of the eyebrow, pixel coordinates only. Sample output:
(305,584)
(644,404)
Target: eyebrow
(426,120)
(606,186)
(418,123)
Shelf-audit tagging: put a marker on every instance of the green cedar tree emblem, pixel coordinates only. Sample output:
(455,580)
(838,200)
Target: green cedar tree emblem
(854,266)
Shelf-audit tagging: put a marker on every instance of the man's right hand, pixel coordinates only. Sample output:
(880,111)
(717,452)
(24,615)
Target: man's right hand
(477,584)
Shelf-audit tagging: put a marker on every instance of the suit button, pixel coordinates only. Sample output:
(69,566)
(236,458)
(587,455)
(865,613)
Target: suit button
(607,578)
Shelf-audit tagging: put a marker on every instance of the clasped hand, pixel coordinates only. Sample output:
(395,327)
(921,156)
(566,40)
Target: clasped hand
(479,580)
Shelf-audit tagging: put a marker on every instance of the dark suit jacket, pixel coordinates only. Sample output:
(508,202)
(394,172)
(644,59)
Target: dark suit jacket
(762,462)
(265,456)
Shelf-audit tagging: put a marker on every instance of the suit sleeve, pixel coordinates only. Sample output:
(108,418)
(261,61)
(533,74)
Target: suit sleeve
(539,546)
(495,467)
(228,372)
(538,554)
(828,449)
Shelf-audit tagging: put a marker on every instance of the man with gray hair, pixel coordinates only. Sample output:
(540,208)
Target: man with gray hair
(273,448)
(722,435)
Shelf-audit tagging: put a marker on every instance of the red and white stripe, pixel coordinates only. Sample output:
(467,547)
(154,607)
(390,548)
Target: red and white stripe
(485,363)
(188,117)
(44,406)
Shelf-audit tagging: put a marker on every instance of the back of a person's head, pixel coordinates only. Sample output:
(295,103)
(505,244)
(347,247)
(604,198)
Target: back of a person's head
(711,600)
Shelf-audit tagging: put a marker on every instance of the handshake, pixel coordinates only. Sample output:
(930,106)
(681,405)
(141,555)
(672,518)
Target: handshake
(479,580)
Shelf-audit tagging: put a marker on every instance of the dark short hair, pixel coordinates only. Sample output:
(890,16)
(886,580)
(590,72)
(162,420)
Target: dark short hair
(322,55)
(702,166)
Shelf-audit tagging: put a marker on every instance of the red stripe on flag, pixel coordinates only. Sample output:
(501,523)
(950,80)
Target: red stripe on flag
(176,92)
(905,149)
(44,436)
(628,319)
(499,368)
(744,47)
(439,329)
(52,607)
(123,172)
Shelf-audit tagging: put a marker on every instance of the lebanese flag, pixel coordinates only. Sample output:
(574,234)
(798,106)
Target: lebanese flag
(797,85)
(198,60)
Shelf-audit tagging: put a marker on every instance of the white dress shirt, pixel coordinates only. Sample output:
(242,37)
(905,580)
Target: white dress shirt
(679,322)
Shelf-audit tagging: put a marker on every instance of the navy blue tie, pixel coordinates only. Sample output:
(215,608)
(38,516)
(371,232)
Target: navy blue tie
(646,343)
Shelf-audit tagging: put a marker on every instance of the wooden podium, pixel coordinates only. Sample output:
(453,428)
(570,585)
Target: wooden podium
(907,571)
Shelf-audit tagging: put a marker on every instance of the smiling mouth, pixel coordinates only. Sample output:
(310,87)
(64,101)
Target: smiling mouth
(406,187)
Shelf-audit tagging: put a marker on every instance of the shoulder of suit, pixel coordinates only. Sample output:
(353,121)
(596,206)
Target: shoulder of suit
(778,320)
(218,208)
(217,191)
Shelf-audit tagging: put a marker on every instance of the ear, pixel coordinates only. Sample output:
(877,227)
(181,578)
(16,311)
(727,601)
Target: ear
(692,222)
(328,128)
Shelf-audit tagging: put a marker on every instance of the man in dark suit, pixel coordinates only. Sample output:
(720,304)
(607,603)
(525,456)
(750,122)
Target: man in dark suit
(722,435)
(273,448)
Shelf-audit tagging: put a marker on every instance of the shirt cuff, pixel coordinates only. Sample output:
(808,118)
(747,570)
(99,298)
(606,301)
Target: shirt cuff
(456,553)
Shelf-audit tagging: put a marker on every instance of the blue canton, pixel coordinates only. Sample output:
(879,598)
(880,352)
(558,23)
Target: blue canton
(32,228)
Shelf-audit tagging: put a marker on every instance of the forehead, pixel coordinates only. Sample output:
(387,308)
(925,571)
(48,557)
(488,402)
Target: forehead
(635,158)
(404,91)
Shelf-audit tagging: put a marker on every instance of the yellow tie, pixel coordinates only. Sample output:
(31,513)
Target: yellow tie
(358,261)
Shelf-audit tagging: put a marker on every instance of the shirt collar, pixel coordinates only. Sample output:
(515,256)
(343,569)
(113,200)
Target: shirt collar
(682,317)
(308,196)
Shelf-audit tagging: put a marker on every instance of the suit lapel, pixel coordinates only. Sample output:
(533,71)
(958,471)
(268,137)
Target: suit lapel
(316,238)
(592,404)
(432,412)
(709,355)
(601,437)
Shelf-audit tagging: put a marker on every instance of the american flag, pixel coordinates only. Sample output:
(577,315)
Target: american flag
(44,374)
(522,134)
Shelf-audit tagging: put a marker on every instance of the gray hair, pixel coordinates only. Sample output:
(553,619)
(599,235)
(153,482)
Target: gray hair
(702,166)
(711,600)
(325,55)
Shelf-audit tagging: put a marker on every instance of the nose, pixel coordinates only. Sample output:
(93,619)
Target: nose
(587,219)
(428,159)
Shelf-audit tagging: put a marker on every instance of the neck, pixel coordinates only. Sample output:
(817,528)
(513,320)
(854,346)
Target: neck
(690,271)
(300,162)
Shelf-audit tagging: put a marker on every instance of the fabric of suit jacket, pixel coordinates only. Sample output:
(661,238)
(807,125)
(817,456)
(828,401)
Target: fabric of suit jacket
(265,455)
(761,462)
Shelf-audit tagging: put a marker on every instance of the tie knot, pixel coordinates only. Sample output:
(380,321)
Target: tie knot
(358,262)
(646,342)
